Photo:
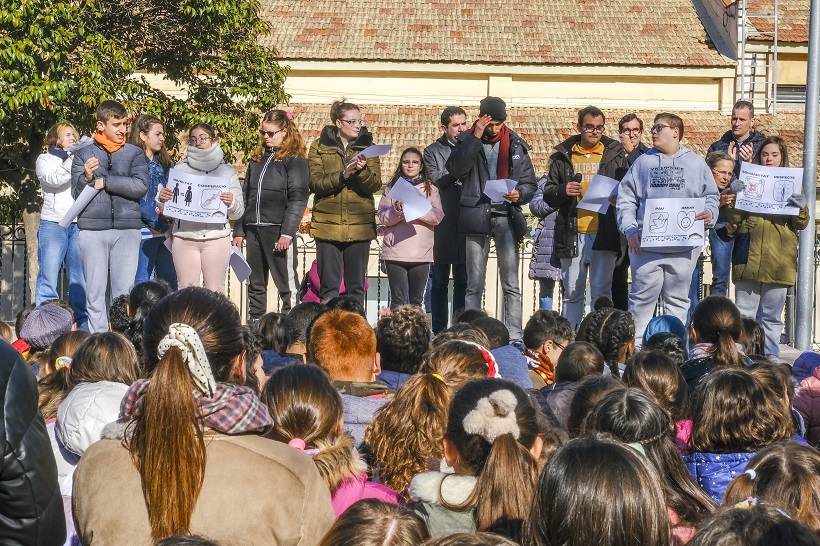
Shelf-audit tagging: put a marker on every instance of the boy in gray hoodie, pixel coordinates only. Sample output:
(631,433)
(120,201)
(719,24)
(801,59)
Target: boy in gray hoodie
(668,170)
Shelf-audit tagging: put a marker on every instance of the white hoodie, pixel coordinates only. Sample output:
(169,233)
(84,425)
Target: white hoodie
(55,178)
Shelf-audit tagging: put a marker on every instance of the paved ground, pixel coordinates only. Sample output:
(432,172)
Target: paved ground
(788,354)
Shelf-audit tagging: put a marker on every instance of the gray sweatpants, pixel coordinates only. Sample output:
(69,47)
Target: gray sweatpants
(764,302)
(109,250)
(660,274)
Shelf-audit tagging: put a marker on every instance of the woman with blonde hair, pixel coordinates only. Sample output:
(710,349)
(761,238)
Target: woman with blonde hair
(276,192)
(193,407)
(56,244)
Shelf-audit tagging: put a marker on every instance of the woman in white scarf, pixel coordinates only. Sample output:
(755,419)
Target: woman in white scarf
(203,249)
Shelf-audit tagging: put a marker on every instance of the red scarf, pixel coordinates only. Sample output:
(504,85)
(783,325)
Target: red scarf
(503,136)
(109,145)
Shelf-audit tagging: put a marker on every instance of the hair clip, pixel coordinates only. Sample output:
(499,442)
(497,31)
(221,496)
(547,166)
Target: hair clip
(298,443)
(438,376)
(752,474)
(289,115)
(62,362)
(494,416)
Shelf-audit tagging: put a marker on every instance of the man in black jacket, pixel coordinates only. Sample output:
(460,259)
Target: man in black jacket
(491,151)
(31,512)
(584,241)
(450,247)
(741,141)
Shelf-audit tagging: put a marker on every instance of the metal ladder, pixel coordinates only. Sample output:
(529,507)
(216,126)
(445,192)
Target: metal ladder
(757,60)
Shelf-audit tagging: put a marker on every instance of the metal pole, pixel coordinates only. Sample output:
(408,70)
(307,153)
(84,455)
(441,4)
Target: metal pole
(805,262)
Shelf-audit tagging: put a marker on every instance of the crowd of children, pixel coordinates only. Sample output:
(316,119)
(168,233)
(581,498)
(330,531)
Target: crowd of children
(181,426)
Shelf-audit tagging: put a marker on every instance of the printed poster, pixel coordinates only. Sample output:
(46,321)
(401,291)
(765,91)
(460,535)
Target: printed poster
(768,189)
(196,198)
(671,223)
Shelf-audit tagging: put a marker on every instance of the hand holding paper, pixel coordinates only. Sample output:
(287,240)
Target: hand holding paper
(597,197)
(497,189)
(376,150)
(413,203)
(79,205)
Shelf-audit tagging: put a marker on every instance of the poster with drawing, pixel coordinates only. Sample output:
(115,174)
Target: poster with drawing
(671,223)
(196,198)
(768,189)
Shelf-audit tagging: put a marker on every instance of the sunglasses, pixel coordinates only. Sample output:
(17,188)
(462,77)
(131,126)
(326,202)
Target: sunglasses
(269,134)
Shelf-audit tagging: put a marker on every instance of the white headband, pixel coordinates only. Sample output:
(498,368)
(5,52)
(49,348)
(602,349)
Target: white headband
(494,416)
(187,340)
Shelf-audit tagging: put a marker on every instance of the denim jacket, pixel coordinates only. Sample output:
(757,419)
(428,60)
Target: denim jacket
(148,207)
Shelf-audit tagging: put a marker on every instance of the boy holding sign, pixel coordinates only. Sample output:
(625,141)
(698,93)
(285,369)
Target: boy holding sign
(667,171)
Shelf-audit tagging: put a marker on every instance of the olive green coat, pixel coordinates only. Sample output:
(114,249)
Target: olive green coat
(772,246)
(343,210)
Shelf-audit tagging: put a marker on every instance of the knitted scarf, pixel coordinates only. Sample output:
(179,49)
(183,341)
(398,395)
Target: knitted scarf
(205,160)
(109,145)
(232,409)
(503,137)
(542,365)
(58,152)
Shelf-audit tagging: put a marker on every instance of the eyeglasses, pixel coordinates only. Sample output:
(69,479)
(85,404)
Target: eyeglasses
(203,138)
(631,131)
(353,122)
(659,127)
(593,128)
(269,134)
(556,344)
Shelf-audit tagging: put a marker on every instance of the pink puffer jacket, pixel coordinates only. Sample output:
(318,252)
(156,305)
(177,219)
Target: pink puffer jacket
(807,402)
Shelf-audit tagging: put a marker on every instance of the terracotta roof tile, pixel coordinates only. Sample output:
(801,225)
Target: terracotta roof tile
(792,24)
(543,128)
(523,32)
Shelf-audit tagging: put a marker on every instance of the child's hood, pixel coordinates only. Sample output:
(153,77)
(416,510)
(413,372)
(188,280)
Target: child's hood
(435,487)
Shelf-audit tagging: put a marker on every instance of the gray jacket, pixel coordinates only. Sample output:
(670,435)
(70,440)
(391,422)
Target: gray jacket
(126,180)
(450,246)
(544,265)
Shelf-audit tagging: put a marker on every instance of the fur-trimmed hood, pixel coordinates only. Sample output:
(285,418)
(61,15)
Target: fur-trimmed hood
(437,487)
(338,461)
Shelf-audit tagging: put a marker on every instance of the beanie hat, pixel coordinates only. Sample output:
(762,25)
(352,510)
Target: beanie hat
(45,324)
(494,107)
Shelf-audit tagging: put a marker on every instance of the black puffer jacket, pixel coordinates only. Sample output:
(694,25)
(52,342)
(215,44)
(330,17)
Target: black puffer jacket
(31,508)
(126,182)
(614,165)
(468,162)
(276,193)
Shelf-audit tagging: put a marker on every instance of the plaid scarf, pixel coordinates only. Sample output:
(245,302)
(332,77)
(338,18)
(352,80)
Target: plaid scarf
(233,409)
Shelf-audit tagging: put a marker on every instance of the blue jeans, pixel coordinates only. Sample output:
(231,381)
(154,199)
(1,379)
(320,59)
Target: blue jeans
(506,249)
(56,245)
(721,263)
(546,289)
(440,292)
(155,260)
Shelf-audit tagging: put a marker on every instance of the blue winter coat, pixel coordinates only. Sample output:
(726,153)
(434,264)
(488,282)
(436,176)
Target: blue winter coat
(148,206)
(714,471)
(543,264)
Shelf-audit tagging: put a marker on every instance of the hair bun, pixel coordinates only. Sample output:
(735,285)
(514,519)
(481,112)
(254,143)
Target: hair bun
(494,416)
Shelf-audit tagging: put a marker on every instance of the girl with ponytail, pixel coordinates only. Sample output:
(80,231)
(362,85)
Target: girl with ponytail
(492,442)
(189,444)
(716,328)
(307,414)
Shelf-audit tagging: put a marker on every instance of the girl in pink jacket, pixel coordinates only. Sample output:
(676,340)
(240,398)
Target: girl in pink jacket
(407,249)
(307,415)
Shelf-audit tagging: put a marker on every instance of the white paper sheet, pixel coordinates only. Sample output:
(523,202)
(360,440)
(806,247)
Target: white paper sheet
(82,143)
(196,198)
(496,189)
(79,205)
(596,198)
(414,204)
(376,150)
(671,223)
(768,189)
(239,264)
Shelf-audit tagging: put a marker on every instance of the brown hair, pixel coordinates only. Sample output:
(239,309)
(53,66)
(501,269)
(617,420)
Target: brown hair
(757,525)
(784,151)
(460,332)
(56,132)
(6,331)
(777,378)
(303,404)
(506,470)
(373,523)
(752,337)
(205,127)
(338,109)
(293,144)
(470,539)
(658,376)
(170,428)
(733,412)
(716,320)
(105,356)
(54,384)
(596,491)
(787,476)
(110,109)
(143,124)
(424,173)
(586,396)
(343,344)
(673,121)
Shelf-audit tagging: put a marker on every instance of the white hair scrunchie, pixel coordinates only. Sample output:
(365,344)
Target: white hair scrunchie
(494,416)
(187,340)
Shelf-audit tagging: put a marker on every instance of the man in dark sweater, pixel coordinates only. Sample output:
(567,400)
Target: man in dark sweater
(741,141)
